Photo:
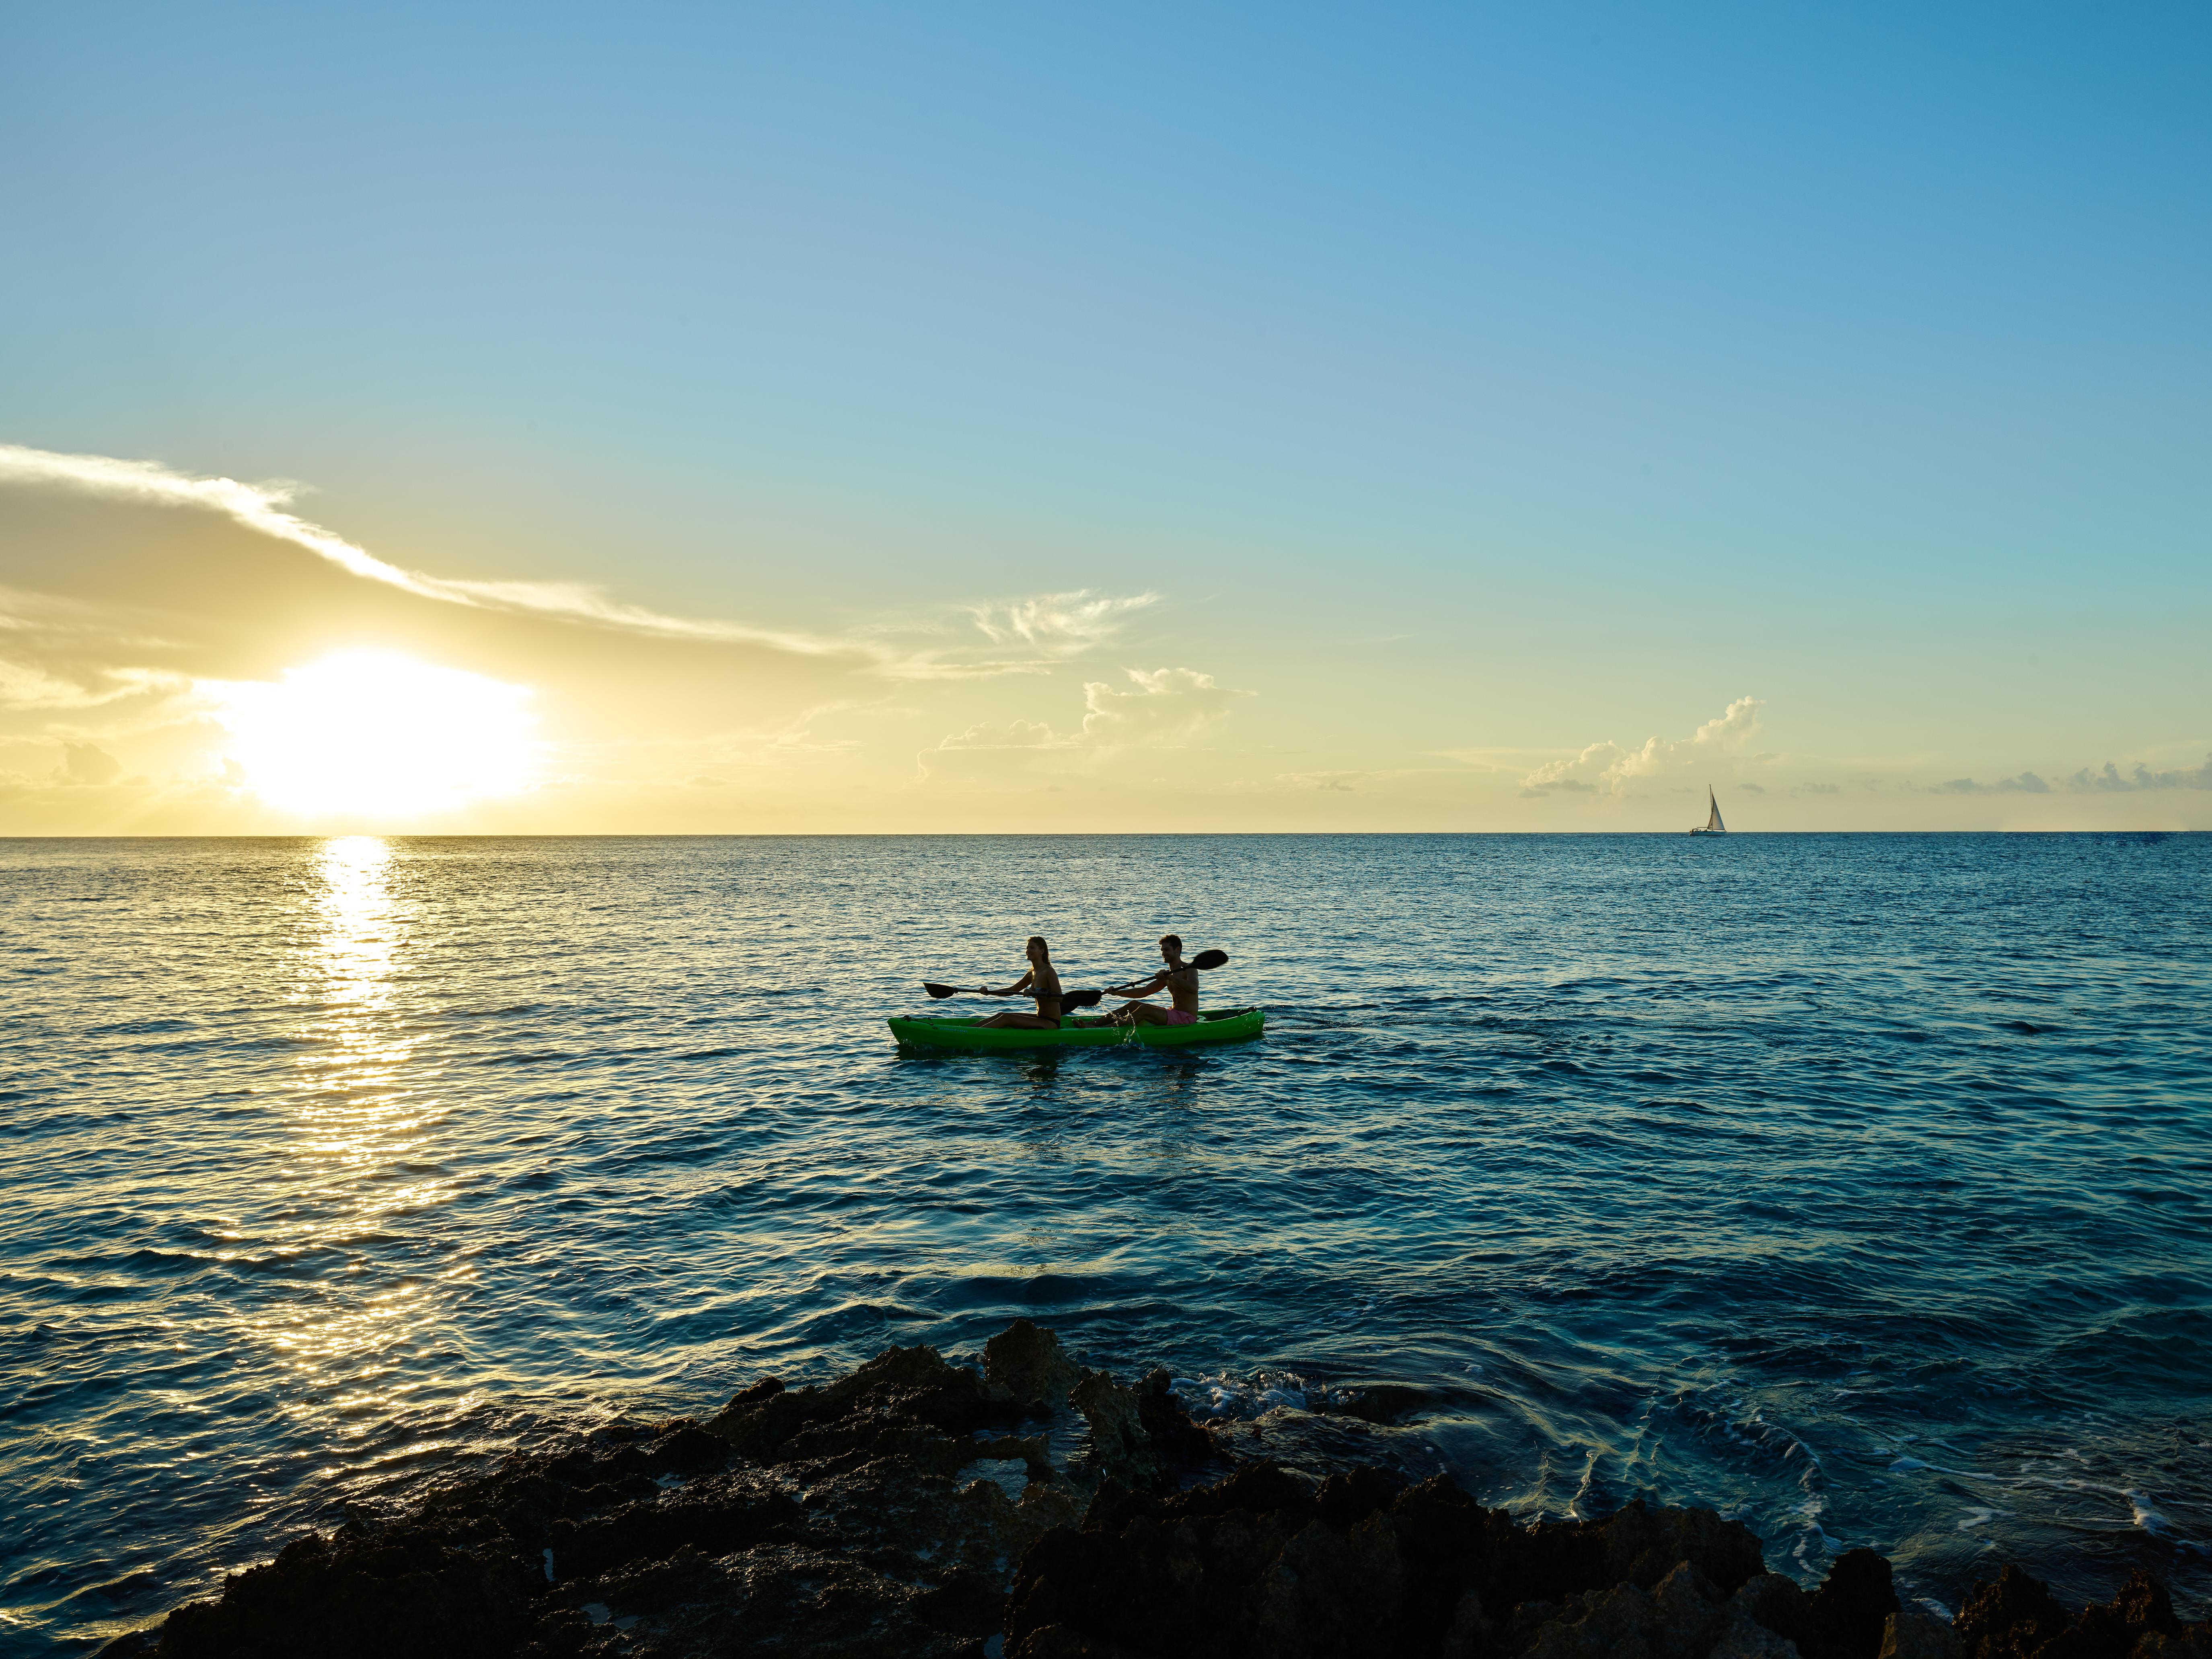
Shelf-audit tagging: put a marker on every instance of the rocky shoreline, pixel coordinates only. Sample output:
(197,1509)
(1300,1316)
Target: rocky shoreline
(913,1510)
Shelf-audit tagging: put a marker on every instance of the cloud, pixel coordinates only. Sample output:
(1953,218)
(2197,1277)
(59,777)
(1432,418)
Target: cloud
(1061,624)
(1015,734)
(1164,709)
(1817,789)
(1753,788)
(2025,784)
(1169,706)
(1058,625)
(84,762)
(2109,780)
(1608,767)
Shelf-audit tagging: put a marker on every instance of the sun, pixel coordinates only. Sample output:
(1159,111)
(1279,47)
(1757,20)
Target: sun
(367,732)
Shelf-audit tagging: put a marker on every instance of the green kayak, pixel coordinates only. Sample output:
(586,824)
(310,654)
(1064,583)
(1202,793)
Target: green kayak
(967,1037)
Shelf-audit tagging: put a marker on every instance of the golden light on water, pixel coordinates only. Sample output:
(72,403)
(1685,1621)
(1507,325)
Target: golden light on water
(368,732)
(362,1129)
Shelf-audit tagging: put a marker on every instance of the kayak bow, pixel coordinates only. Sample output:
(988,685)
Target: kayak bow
(968,1036)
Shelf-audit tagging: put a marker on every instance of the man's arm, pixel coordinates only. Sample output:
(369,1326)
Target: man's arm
(1156,982)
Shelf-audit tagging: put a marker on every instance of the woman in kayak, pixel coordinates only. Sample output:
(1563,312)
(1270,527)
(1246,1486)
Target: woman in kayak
(1042,983)
(1178,979)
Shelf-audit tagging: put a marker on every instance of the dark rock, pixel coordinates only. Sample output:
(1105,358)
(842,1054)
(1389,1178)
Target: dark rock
(904,1402)
(452,1591)
(880,1514)
(1776,1604)
(2112,1630)
(2009,1618)
(684,1447)
(1849,1611)
(1028,1362)
(1916,1633)
(1268,1562)
(1642,1544)
(1140,1437)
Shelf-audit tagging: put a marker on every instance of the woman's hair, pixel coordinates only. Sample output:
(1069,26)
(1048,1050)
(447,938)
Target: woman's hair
(1174,940)
(1037,942)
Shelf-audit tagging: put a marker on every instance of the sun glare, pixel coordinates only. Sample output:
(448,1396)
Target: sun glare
(365,732)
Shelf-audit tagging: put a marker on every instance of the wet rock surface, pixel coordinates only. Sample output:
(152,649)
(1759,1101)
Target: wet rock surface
(916,1508)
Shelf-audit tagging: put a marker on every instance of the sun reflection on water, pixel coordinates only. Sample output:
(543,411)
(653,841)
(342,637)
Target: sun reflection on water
(363,1140)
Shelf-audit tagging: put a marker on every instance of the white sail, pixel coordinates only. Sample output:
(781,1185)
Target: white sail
(1713,824)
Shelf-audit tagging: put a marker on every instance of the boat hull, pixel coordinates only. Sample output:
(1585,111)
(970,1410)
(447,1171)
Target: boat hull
(967,1036)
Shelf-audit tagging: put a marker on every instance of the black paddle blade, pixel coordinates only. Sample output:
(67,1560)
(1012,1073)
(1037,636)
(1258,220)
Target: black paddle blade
(1079,999)
(1206,959)
(940,990)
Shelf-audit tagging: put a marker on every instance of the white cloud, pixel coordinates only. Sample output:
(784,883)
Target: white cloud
(1169,706)
(1606,766)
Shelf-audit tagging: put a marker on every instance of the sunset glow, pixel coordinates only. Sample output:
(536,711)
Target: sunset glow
(367,732)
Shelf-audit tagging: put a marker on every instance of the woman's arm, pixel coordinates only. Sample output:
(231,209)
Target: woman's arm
(1021,984)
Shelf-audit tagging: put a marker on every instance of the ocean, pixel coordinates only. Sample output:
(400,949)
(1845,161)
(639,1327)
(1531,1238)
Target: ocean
(1856,1185)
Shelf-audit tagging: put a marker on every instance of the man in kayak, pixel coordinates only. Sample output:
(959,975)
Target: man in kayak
(1042,983)
(1178,979)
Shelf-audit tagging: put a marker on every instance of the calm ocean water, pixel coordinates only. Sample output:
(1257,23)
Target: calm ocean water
(1857,1185)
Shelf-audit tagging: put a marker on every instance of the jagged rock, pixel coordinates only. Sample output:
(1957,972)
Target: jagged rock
(1679,1618)
(1849,1611)
(1268,1562)
(1745,1638)
(781,1601)
(880,1514)
(1642,1544)
(1028,1362)
(418,1594)
(2009,1618)
(1331,1591)
(1141,1434)
(1916,1633)
(904,1402)
(2115,1627)
(1776,1605)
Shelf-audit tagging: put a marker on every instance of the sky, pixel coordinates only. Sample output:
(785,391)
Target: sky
(663,418)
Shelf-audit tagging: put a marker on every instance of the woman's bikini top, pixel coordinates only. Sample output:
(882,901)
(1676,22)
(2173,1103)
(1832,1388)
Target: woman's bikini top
(1042,995)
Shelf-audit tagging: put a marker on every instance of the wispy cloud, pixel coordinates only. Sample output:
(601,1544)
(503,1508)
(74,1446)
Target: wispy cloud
(1058,623)
(1160,708)
(1056,626)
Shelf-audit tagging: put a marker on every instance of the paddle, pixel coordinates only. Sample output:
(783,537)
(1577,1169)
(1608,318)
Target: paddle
(1205,961)
(1067,999)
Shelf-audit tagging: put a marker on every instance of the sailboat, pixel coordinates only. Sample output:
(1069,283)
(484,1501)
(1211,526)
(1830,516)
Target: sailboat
(1712,825)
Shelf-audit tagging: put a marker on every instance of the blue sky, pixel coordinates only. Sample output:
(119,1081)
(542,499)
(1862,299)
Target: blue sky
(1460,379)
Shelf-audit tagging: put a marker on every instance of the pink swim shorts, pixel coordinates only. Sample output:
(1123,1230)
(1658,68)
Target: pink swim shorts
(1177,1016)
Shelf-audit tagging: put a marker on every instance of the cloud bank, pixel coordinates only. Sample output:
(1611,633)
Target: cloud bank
(1608,768)
(2085,782)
